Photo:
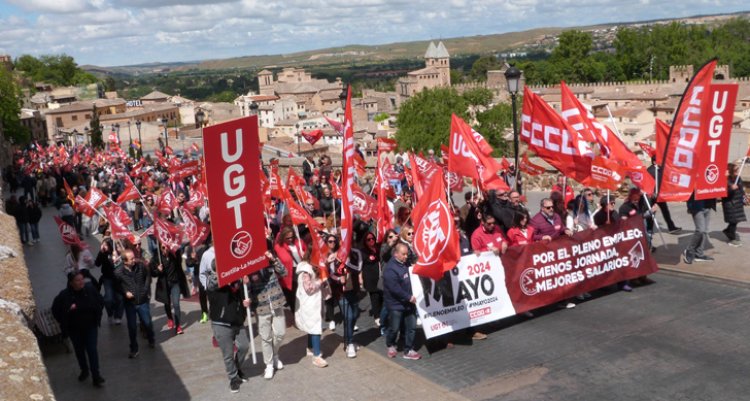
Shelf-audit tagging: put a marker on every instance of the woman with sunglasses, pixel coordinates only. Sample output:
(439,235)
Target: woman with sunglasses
(289,249)
(332,243)
(371,275)
(345,285)
(406,237)
(521,233)
(386,252)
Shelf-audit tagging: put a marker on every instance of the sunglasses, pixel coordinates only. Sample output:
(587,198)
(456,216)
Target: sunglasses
(409,234)
(392,236)
(502,194)
(546,207)
(370,239)
(288,238)
(589,194)
(331,241)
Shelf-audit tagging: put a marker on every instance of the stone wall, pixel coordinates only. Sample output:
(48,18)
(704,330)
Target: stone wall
(23,375)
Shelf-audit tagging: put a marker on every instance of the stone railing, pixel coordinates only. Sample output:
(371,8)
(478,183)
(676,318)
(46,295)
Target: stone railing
(23,375)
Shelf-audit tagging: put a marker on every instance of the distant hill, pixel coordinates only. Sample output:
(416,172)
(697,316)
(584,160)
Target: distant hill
(361,54)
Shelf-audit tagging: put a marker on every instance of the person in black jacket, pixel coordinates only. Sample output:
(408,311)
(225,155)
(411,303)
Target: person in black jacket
(228,310)
(34,213)
(78,308)
(733,205)
(113,302)
(171,283)
(135,283)
(400,303)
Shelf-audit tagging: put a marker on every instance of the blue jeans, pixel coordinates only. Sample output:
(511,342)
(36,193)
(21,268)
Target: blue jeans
(84,344)
(34,230)
(396,184)
(349,305)
(23,228)
(173,289)
(313,342)
(395,317)
(113,302)
(143,312)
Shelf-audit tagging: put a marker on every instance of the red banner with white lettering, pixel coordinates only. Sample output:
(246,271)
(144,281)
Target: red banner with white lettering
(232,178)
(661,133)
(683,144)
(347,176)
(716,127)
(68,233)
(541,274)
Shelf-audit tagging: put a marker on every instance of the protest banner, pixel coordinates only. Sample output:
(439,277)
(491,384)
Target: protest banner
(485,288)
(716,126)
(232,177)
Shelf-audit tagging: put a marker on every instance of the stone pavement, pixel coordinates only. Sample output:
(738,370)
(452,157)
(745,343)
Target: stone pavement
(187,367)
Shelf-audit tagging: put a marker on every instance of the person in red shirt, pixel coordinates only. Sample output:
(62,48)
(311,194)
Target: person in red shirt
(521,233)
(488,237)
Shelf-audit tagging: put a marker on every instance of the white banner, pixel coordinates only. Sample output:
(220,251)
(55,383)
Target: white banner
(473,293)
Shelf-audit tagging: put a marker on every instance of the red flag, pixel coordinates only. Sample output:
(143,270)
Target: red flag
(113,137)
(364,205)
(129,193)
(415,181)
(681,153)
(298,214)
(386,145)
(579,116)
(435,236)
(454,181)
(389,171)
(168,234)
(445,152)
(528,167)
(335,190)
(179,171)
(504,164)
(425,171)
(385,215)
(359,164)
(553,139)
(166,201)
(661,133)
(347,204)
(95,198)
(713,148)
(650,151)
(68,233)
(194,230)
(293,179)
(118,223)
(168,150)
(319,249)
(194,148)
(468,160)
(68,191)
(337,126)
(605,173)
(82,206)
(197,196)
(312,136)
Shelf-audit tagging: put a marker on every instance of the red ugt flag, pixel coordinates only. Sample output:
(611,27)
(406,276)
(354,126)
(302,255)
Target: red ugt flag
(347,206)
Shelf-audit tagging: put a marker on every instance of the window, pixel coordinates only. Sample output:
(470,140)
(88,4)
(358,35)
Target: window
(75,117)
(58,121)
(87,116)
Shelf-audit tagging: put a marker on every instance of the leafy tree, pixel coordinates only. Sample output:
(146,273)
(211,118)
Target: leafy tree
(482,65)
(457,76)
(478,97)
(110,84)
(380,117)
(424,120)
(97,141)
(492,124)
(10,109)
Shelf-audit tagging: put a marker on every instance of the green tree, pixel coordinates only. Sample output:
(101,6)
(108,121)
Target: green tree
(424,120)
(478,97)
(573,45)
(10,109)
(97,141)
(493,124)
(380,117)
(482,65)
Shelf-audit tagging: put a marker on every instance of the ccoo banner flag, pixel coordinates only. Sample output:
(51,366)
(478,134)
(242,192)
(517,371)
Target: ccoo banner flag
(232,176)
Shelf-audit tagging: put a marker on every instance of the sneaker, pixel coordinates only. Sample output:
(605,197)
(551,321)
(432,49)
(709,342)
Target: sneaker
(268,375)
(735,243)
(685,258)
(419,322)
(98,381)
(308,352)
(479,336)
(319,362)
(674,230)
(242,376)
(179,330)
(626,288)
(351,351)
(277,363)
(170,324)
(392,352)
(204,317)
(377,321)
(118,322)
(234,384)
(570,305)
(412,355)
(332,325)
(356,328)
(133,354)
(703,258)
(83,376)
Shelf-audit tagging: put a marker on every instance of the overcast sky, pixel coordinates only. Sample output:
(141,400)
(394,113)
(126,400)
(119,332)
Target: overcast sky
(124,32)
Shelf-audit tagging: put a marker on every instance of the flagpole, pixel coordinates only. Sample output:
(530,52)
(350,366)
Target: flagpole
(739,173)
(656,222)
(250,324)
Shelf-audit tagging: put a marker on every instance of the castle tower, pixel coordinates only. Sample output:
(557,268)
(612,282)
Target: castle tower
(438,57)
(265,82)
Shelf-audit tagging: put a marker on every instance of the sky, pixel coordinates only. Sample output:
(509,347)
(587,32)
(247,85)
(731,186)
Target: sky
(126,32)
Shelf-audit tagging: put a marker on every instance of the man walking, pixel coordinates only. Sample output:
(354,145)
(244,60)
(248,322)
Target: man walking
(400,303)
(135,283)
(701,212)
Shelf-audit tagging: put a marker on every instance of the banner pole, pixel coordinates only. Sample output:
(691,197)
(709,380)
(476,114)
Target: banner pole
(333,201)
(656,222)
(739,173)
(250,325)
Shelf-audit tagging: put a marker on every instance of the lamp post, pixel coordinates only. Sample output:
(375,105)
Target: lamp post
(513,76)
(140,143)
(86,134)
(75,135)
(298,138)
(116,127)
(166,135)
(130,136)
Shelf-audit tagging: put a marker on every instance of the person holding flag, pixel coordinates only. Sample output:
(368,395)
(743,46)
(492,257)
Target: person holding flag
(733,205)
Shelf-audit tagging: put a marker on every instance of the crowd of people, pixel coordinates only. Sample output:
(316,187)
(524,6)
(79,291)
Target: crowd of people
(488,221)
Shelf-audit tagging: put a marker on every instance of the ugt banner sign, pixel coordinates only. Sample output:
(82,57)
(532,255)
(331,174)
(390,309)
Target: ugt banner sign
(716,130)
(485,288)
(232,175)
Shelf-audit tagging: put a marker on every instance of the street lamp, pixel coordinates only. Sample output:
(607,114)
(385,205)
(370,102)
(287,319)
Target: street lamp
(200,116)
(140,143)
(116,127)
(86,133)
(513,76)
(75,135)
(166,135)
(298,138)
(130,136)
(342,97)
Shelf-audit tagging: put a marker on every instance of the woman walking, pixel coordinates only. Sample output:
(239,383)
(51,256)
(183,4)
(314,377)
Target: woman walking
(308,314)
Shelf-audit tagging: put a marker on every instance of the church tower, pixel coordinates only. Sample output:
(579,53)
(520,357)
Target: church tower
(438,57)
